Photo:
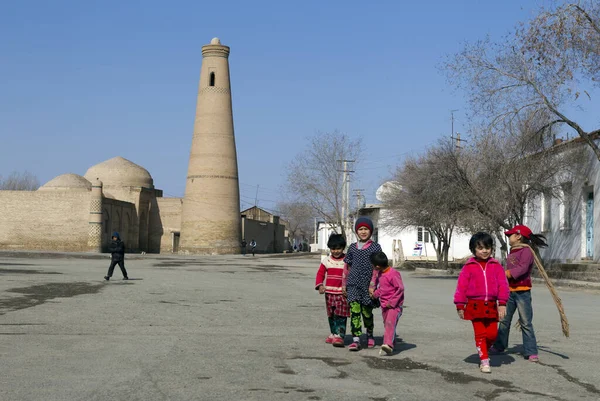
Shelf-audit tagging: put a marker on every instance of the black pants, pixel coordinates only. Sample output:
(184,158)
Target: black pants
(121,264)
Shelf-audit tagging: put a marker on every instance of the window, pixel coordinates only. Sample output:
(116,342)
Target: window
(546,213)
(564,208)
(422,235)
(212,79)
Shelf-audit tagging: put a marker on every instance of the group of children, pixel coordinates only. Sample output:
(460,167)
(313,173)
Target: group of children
(486,294)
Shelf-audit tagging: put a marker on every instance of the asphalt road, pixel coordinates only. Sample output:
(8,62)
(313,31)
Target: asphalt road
(235,328)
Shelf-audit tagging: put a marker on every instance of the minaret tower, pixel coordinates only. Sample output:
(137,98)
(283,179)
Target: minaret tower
(210,222)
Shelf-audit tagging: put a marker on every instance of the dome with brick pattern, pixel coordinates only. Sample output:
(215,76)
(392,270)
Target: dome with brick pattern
(71,182)
(120,172)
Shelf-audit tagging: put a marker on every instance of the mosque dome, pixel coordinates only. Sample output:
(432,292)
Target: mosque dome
(72,182)
(120,172)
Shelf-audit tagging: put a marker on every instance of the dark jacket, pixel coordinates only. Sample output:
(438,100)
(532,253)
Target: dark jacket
(117,248)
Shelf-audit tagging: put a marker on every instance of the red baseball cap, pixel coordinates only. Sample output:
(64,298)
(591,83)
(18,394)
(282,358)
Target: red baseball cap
(519,229)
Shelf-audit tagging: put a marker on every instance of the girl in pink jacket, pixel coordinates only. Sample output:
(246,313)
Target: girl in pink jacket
(481,295)
(387,286)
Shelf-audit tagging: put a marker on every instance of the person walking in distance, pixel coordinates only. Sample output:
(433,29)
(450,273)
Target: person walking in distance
(117,250)
(253,246)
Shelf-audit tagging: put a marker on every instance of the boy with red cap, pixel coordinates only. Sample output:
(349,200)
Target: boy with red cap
(519,265)
(356,280)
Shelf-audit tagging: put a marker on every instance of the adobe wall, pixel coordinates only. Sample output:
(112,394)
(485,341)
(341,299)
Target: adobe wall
(165,219)
(50,220)
(119,216)
(269,237)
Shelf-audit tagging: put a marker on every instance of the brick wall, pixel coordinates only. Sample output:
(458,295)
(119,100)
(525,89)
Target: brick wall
(57,220)
(165,218)
(119,216)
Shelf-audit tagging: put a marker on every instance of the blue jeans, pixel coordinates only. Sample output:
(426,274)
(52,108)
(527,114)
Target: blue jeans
(521,301)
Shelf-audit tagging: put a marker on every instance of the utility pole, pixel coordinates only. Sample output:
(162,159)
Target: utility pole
(359,196)
(345,193)
(457,138)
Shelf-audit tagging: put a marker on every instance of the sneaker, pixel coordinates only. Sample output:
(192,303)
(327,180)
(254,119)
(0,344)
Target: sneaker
(495,351)
(106,278)
(370,342)
(485,366)
(338,341)
(533,358)
(329,339)
(125,278)
(387,349)
(355,346)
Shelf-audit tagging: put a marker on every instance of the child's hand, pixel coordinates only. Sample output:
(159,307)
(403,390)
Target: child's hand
(371,291)
(461,314)
(501,312)
(321,289)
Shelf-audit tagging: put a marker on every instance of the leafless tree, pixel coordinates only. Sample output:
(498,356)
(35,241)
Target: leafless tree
(17,181)
(423,198)
(314,176)
(547,66)
(499,175)
(300,218)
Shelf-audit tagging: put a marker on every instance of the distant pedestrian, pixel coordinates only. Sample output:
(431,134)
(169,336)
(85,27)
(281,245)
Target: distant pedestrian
(117,250)
(389,289)
(253,246)
(519,263)
(481,295)
(244,244)
(329,282)
(358,272)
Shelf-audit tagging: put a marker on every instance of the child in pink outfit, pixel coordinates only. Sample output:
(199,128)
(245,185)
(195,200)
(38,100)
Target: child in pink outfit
(387,286)
(481,295)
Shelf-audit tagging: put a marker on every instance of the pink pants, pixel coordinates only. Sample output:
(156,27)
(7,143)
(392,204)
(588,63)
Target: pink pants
(390,320)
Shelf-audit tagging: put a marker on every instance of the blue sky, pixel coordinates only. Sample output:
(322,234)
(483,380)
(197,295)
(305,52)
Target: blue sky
(84,81)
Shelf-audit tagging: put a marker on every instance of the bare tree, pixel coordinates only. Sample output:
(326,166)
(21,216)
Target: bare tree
(314,176)
(499,175)
(423,198)
(19,182)
(545,66)
(299,216)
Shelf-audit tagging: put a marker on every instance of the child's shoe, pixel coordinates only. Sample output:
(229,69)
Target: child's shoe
(485,366)
(386,349)
(329,339)
(355,346)
(533,358)
(338,341)
(495,351)
(106,278)
(370,342)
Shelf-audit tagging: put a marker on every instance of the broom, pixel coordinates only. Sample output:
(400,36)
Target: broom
(561,310)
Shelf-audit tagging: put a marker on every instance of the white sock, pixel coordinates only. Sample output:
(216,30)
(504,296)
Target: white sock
(356,339)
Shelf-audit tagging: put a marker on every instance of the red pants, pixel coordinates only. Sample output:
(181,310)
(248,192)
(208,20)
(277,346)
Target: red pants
(486,331)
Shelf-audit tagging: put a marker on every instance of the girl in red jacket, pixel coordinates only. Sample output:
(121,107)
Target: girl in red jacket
(481,295)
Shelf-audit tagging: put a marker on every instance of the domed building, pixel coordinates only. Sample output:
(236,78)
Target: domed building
(79,213)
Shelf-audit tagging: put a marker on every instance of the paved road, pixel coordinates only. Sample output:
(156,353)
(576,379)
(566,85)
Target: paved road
(234,328)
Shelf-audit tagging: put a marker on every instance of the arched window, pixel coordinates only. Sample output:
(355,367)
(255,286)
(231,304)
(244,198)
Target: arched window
(212,79)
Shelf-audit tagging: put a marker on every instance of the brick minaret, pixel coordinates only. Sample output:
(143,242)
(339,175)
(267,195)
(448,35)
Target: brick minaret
(210,222)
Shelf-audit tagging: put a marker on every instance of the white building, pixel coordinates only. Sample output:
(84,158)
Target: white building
(572,222)
(411,243)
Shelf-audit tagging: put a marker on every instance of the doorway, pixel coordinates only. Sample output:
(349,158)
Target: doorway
(589,226)
(176,237)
